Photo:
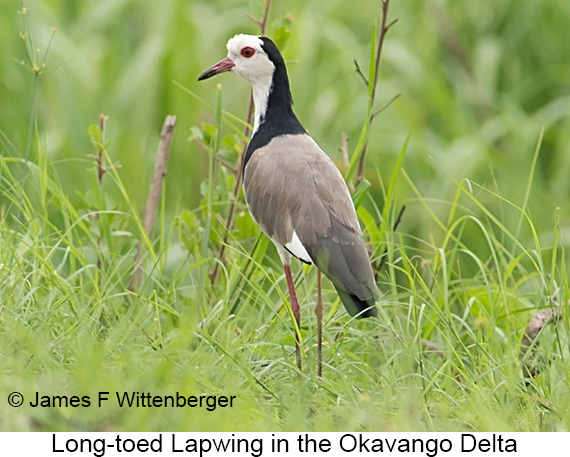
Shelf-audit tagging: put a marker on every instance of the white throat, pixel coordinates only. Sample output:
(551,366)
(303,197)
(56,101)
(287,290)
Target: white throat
(261,88)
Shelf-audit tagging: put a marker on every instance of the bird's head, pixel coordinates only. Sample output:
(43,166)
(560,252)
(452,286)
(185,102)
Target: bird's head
(247,57)
(257,59)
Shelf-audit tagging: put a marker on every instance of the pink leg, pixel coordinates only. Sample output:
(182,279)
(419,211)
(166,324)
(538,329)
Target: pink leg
(296,311)
(319,313)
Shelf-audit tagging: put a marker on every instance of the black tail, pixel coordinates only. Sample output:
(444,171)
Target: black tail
(355,306)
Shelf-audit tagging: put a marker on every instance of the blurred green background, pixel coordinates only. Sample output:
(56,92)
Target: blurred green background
(465,271)
(478,82)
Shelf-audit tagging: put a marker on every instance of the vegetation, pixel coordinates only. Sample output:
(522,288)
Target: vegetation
(476,148)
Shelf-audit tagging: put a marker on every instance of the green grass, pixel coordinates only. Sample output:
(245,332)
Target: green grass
(480,250)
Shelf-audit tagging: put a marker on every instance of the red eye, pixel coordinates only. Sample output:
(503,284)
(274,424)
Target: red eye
(247,52)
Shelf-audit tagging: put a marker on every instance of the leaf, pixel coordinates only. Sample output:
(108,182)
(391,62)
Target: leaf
(392,186)
(94,132)
(196,132)
(188,217)
(208,132)
(245,225)
(360,192)
(189,230)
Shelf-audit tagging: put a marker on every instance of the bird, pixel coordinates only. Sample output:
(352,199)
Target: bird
(293,189)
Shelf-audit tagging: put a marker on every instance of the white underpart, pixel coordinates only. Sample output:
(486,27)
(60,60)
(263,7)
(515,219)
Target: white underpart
(258,70)
(296,248)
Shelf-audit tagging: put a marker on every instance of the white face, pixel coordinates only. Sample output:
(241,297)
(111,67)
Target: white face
(249,58)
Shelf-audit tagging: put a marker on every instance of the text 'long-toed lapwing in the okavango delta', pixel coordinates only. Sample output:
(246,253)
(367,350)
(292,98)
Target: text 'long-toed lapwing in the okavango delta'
(294,190)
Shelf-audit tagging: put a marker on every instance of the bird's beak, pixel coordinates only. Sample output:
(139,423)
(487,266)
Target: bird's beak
(220,67)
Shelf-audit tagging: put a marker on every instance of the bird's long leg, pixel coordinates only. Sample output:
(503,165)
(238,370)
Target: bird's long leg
(296,311)
(319,313)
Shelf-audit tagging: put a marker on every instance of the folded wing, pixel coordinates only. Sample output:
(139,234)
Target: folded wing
(294,190)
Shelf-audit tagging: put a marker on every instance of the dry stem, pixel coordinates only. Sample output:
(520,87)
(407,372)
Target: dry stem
(155,193)
(383,30)
(529,342)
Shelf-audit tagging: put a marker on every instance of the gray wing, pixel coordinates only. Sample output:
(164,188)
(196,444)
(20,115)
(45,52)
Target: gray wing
(293,187)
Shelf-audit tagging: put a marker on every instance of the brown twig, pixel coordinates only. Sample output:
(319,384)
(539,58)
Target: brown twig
(159,173)
(247,131)
(100,168)
(529,342)
(433,348)
(383,30)
(263,21)
(384,27)
(359,71)
(99,158)
(385,105)
(155,193)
